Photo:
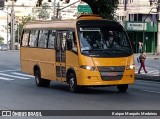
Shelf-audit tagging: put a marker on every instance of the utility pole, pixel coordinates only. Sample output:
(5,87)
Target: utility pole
(125,5)
(1,4)
(12,40)
(144,28)
(7,27)
(54,8)
(7,30)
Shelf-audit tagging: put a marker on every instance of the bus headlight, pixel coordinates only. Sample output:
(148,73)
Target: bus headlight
(130,67)
(92,68)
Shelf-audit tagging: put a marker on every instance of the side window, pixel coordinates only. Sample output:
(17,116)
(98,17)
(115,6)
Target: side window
(52,38)
(64,41)
(43,36)
(72,41)
(25,38)
(33,38)
(58,41)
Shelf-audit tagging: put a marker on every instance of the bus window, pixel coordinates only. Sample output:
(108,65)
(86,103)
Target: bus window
(58,41)
(74,48)
(51,40)
(43,35)
(95,40)
(25,38)
(84,41)
(61,46)
(64,41)
(33,38)
(71,41)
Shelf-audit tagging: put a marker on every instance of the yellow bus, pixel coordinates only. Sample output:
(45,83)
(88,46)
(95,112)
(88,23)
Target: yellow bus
(86,52)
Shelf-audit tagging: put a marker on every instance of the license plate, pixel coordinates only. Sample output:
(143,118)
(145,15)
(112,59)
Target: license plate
(109,74)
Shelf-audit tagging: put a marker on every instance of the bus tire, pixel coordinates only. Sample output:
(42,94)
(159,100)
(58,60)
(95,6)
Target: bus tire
(39,81)
(73,83)
(122,88)
(46,82)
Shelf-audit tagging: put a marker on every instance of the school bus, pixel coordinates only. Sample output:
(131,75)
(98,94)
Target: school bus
(76,52)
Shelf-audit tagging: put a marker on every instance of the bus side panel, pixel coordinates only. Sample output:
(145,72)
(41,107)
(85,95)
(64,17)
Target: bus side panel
(72,61)
(44,58)
(26,59)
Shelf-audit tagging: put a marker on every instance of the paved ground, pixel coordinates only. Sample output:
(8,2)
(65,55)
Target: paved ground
(152,66)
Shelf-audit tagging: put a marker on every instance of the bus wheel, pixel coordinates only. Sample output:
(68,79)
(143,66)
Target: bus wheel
(72,83)
(39,81)
(122,88)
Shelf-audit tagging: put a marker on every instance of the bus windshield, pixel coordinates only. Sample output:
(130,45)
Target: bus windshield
(104,42)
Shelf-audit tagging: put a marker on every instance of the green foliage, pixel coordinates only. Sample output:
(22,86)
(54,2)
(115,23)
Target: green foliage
(1,39)
(45,6)
(39,2)
(105,8)
(24,20)
(27,19)
(42,12)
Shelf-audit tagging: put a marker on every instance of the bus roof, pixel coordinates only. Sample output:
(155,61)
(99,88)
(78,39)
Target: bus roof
(66,23)
(51,24)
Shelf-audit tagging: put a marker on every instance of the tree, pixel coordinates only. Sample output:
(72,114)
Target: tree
(1,39)
(24,20)
(39,2)
(42,12)
(105,8)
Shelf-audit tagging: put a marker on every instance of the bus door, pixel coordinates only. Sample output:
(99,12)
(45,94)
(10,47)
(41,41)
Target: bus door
(61,55)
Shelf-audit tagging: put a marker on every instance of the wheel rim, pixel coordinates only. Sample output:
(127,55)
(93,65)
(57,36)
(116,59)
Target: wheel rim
(72,83)
(37,78)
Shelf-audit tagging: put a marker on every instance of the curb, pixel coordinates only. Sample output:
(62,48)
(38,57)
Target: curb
(10,50)
(147,78)
(156,58)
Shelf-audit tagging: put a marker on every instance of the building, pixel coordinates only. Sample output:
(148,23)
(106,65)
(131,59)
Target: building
(21,9)
(3,27)
(139,18)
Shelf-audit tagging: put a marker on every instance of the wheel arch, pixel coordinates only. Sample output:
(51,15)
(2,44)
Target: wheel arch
(70,70)
(36,67)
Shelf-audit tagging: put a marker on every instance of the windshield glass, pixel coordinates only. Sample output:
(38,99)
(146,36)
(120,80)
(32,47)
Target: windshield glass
(100,41)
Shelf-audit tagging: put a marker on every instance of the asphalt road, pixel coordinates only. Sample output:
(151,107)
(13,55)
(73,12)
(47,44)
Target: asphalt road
(21,93)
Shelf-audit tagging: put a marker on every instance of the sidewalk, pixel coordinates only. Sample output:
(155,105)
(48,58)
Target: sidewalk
(147,77)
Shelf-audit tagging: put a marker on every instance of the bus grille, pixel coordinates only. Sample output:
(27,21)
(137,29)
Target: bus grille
(111,72)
